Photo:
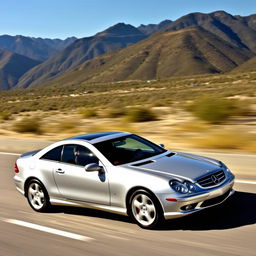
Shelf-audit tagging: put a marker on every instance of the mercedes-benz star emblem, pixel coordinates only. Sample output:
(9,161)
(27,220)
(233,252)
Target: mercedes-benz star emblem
(215,180)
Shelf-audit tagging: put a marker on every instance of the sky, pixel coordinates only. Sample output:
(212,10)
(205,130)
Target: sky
(82,18)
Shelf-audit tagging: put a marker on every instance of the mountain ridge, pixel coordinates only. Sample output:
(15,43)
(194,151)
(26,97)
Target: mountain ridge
(113,38)
(232,29)
(190,51)
(12,67)
(34,48)
(230,38)
(153,28)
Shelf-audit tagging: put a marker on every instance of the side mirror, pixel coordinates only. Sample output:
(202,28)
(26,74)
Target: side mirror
(162,145)
(93,167)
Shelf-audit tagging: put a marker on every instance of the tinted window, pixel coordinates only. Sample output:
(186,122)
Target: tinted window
(78,155)
(128,149)
(54,154)
(68,155)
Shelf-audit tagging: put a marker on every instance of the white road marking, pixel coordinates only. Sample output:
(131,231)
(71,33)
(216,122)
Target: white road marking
(10,154)
(116,237)
(49,230)
(253,182)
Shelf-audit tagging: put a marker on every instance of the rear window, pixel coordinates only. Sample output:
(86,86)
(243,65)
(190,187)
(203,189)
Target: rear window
(54,154)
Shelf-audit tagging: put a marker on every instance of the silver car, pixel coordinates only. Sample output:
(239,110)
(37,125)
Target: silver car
(122,173)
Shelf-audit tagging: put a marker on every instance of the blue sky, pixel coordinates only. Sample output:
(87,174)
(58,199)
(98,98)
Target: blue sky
(80,18)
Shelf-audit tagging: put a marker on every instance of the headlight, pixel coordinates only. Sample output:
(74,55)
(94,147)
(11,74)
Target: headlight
(225,167)
(182,187)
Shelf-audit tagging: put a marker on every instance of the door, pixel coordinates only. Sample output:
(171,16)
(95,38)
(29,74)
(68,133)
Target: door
(74,182)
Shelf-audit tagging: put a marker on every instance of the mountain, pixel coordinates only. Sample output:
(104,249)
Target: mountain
(248,66)
(190,51)
(12,67)
(34,48)
(237,30)
(153,28)
(118,36)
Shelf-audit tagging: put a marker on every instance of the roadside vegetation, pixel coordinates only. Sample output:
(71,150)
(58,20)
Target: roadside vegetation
(28,125)
(119,95)
(140,114)
(215,109)
(199,111)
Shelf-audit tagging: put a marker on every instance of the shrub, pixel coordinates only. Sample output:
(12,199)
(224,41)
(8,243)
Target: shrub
(5,116)
(88,112)
(213,109)
(115,112)
(140,114)
(28,125)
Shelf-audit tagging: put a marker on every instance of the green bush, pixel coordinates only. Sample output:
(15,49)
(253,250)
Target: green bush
(213,109)
(140,114)
(28,125)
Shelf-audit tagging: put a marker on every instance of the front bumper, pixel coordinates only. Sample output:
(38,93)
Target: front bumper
(189,204)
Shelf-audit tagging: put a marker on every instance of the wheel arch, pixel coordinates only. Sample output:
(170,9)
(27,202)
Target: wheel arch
(132,190)
(27,183)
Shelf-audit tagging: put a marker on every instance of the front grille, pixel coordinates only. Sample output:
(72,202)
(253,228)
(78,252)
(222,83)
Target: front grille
(215,200)
(212,180)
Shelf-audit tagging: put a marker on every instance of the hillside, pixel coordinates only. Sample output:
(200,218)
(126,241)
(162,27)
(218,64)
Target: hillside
(248,66)
(118,36)
(12,67)
(219,43)
(179,53)
(35,48)
(237,30)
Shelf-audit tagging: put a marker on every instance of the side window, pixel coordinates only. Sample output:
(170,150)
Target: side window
(78,155)
(54,154)
(68,155)
(84,156)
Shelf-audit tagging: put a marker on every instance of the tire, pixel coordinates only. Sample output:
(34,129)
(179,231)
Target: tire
(37,196)
(145,209)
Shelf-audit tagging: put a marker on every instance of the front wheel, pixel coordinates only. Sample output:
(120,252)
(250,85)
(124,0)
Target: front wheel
(144,209)
(37,196)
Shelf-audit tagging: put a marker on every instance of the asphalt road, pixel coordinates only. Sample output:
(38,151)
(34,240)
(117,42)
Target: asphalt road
(224,230)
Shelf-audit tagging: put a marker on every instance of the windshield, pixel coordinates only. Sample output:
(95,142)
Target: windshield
(128,149)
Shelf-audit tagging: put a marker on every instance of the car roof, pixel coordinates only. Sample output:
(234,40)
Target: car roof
(98,136)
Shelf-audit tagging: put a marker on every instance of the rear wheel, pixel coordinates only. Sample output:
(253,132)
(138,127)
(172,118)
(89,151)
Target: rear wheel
(145,209)
(37,196)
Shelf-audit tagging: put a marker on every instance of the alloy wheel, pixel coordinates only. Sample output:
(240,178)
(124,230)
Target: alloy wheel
(143,209)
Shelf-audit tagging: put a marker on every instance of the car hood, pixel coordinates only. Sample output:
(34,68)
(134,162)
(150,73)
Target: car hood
(183,165)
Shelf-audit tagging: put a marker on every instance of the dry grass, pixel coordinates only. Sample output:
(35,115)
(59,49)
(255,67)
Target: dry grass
(88,112)
(194,126)
(114,125)
(69,125)
(60,116)
(226,139)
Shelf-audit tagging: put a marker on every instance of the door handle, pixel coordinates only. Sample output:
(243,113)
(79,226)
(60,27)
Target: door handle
(59,170)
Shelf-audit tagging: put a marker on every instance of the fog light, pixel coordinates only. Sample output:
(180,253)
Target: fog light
(188,207)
